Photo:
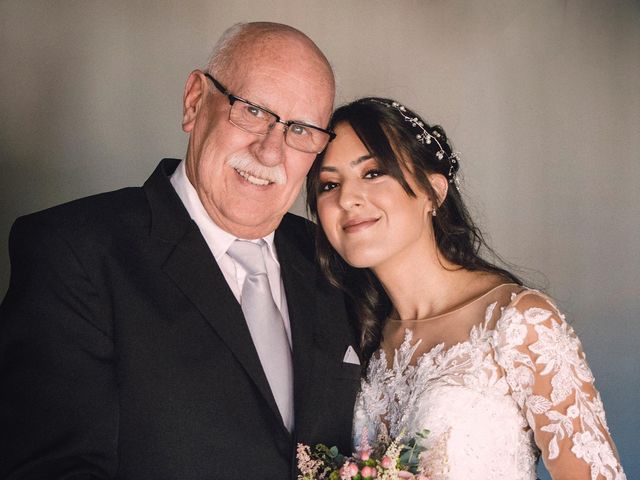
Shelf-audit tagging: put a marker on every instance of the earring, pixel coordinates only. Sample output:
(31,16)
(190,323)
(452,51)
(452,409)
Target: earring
(433,211)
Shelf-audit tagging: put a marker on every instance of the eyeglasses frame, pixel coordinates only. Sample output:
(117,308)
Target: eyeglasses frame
(234,98)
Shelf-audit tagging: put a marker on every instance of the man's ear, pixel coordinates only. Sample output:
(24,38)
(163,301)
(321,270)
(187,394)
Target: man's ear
(192,99)
(441,185)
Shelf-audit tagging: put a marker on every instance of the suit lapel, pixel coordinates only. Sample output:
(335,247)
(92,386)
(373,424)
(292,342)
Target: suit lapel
(193,269)
(299,276)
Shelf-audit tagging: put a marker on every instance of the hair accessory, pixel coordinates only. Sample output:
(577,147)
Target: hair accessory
(426,137)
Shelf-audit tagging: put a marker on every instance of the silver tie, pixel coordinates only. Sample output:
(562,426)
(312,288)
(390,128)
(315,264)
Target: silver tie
(266,326)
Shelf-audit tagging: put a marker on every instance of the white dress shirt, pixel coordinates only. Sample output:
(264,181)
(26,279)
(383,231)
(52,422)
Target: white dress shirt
(219,242)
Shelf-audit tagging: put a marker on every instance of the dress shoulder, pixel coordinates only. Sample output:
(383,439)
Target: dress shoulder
(528,298)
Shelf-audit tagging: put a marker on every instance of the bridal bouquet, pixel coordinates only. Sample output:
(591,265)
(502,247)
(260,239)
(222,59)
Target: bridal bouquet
(393,460)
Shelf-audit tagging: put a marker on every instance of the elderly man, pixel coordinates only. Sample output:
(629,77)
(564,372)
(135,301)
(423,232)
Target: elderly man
(181,330)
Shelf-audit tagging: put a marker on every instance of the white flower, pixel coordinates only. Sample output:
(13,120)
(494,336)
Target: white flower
(594,451)
(556,346)
(535,315)
(573,411)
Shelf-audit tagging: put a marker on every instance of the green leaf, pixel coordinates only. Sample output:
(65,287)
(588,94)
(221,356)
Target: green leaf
(409,455)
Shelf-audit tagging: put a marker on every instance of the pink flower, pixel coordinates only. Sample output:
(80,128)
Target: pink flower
(386,462)
(364,454)
(368,472)
(348,470)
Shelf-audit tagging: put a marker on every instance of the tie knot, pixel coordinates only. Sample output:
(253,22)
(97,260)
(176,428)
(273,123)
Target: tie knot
(249,255)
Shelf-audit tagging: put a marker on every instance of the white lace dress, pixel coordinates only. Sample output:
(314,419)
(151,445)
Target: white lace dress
(517,385)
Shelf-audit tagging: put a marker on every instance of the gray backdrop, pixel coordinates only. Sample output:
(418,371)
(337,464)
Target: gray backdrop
(542,98)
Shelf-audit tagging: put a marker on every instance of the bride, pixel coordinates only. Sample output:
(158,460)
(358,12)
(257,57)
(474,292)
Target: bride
(452,343)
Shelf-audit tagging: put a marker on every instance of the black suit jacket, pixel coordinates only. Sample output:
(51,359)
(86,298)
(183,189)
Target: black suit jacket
(124,354)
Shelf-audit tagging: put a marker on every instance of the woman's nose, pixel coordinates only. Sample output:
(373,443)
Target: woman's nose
(351,195)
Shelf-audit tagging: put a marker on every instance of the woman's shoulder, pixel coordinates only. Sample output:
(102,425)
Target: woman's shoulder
(528,301)
(530,316)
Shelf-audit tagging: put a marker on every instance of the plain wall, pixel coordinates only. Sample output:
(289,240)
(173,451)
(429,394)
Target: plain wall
(542,99)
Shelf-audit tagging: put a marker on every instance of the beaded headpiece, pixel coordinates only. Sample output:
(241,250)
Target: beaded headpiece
(426,137)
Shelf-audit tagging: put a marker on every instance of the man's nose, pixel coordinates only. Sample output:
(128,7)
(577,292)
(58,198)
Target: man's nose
(271,146)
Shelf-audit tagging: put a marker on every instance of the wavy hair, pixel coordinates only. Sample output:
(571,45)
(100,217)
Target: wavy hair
(391,139)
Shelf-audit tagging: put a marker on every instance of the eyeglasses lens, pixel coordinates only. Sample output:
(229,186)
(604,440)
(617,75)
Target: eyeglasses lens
(255,120)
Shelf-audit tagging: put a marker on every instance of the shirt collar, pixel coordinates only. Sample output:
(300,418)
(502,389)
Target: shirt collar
(217,239)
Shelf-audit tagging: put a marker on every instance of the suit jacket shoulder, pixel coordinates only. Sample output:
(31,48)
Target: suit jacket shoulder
(91,218)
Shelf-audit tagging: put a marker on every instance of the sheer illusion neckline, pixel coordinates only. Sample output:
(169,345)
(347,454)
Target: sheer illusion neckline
(455,310)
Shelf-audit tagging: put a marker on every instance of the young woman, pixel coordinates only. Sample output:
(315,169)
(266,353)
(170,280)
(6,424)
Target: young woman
(452,343)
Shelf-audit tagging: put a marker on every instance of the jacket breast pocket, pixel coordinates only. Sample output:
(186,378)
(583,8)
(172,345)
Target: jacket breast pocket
(349,371)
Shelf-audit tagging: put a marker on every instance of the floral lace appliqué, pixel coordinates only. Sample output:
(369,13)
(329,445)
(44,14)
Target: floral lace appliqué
(528,374)
(551,381)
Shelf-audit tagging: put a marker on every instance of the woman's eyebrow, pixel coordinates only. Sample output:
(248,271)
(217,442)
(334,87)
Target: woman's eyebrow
(360,160)
(353,163)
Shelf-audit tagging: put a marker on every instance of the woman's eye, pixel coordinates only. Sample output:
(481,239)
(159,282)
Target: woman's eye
(374,173)
(327,186)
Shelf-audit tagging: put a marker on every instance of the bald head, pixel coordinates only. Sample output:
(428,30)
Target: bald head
(244,45)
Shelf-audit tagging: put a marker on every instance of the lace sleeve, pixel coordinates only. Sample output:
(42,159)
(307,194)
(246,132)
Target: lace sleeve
(550,380)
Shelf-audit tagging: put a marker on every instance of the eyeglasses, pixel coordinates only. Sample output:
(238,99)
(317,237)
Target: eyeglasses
(258,120)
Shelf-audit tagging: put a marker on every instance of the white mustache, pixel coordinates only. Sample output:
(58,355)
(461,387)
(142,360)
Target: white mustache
(246,162)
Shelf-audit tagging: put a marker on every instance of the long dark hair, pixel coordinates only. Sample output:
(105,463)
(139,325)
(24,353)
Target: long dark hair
(390,135)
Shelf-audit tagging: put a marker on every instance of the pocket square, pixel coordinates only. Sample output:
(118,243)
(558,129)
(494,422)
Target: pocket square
(350,356)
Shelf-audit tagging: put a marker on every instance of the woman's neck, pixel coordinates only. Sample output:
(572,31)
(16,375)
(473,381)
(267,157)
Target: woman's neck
(421,283)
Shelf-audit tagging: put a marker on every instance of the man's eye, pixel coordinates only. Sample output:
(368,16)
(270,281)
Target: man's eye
(374,173)
(254,111)
(327,186)
(299,129)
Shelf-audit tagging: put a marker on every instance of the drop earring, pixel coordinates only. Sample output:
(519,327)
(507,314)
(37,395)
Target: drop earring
(433,211)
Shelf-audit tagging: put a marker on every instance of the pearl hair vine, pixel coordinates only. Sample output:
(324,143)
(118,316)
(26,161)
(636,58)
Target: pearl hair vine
(426,137)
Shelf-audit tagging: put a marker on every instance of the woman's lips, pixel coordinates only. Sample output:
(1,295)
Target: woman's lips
(358,224)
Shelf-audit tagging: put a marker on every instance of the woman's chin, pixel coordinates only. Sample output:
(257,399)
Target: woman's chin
(359,260)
